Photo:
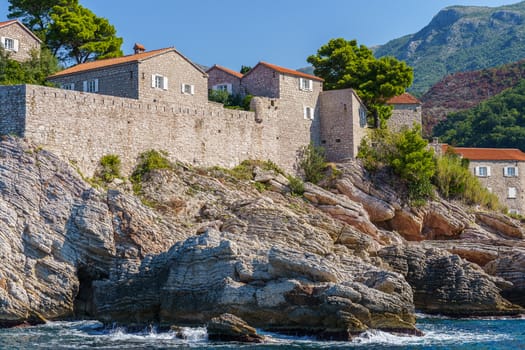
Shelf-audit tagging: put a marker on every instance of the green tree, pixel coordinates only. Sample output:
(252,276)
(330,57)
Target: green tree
(33,71)
(35,14)
(77,33)
(245,69)
(313,163)
(345,64)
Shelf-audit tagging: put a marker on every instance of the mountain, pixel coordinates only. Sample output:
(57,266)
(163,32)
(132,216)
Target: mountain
(461,38)
(464,90)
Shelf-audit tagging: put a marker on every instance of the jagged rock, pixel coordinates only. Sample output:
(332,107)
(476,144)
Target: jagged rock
(341,208)
(510,267)
(270,286)
(446,284)
(228,327)
(377,209)
(501,224)
(408,224)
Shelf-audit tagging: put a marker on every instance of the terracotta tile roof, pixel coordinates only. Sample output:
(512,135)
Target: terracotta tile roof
(6,23)
(290,71)
(224,69)
(82,67)
(404,99)
(489,153)
(109,62)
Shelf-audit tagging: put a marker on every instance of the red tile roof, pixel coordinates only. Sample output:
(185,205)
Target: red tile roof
(6,23)
(224,69)
(290,71)
(489,153)
(109,62)
(404,99)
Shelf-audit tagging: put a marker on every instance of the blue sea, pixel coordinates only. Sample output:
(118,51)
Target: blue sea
(440,333)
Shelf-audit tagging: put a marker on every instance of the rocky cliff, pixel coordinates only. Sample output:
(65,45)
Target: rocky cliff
(210,248)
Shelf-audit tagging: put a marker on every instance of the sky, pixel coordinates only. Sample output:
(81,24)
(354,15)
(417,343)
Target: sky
(233,33)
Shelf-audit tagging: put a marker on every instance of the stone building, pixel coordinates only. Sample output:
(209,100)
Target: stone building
(222,78)
(158,75)
(406,112)
(343,124)
(18,41)
(501,171)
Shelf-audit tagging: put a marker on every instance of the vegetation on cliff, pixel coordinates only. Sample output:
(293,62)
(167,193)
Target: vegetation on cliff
(461,38)
(406,155)
(344,64)
(497,122)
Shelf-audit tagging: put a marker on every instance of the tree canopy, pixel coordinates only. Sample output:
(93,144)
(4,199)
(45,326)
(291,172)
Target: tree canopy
(35,14)
(34,71)
(498,122)
(69,30)
(345,64)
(81,35)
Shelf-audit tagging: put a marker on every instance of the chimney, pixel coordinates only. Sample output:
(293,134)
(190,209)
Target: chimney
(138,48)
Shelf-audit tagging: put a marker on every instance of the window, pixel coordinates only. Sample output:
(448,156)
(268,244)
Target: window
(514,211)
(305,84)
(10,44)
(223,87)
(510,171)
(362,117)
(188,89)
(159,82)
(90,85)
(512,192)
(482,171)
(308,113)
(68,86)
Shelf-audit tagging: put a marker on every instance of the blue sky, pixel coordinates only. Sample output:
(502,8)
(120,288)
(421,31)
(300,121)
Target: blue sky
(242,32)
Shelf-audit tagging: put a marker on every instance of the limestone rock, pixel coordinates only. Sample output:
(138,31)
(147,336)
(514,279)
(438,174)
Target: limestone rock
(446,284)
(377,209)
(228,327)
(501,224)
(511,267)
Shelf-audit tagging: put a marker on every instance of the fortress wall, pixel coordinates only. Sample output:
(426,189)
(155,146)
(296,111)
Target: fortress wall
(82,127)
(12,110)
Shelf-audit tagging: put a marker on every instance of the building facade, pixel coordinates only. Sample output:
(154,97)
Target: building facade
(159,75)
(222,78)
(18,41)
(501,171)
(406,112)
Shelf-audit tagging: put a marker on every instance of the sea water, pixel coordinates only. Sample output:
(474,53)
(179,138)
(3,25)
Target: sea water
(440,333)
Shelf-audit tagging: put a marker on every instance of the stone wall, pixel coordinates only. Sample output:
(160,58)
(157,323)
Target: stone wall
(83,127)
(26,42)
(261,81)
(12,110)
(499,184)
(404,115)
(341,127)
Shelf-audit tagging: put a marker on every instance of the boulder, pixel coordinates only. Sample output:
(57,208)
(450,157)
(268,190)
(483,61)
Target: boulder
(228,327)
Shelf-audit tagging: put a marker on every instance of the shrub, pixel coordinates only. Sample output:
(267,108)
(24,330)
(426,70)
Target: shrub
(313,163)
(454,181)
(296,185)
(148,161)
(407,154)
(109,168)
